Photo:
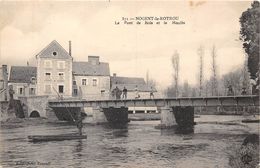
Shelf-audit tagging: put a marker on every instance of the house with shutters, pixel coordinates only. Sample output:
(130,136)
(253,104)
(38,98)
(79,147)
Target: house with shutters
(22,80)
(91,79)
(54,71)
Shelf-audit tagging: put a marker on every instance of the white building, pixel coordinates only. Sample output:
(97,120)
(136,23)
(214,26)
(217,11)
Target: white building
(22,80)
(91,80)
(54,71)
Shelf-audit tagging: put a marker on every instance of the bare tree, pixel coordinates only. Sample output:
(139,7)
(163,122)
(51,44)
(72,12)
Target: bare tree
(186,89)
(176,68)
(201,75)
(214,85)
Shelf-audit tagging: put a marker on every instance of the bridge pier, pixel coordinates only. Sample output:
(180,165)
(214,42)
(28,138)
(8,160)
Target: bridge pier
(98,115)
(167,117)
(184,117)
(116,115)
(181,117)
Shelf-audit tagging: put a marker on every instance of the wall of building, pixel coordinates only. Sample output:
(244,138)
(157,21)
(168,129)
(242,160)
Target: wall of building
(4,95)
(55,80)
(35,103)
(23,89)
(89,91)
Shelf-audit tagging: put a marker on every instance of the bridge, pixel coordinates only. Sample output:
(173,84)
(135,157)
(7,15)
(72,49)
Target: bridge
(245,100)
(174,111)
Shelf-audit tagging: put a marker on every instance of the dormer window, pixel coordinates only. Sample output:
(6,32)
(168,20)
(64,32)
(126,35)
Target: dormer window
(33,80)
(54,53)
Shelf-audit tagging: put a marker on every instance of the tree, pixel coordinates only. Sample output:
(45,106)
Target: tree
(201,75)
(214,85)
(186,89)
(249,34)
(176,68)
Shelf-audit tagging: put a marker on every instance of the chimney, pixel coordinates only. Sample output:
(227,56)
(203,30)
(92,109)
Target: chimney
(70,48)
(94,60)
(114,74)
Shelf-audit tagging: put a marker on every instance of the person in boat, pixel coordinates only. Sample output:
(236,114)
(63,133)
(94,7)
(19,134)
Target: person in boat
(79,123)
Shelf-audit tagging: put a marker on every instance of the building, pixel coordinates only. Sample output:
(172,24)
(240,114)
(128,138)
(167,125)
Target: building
(91,80)
(131,84)
(54,71)
(22,80)
(4,95)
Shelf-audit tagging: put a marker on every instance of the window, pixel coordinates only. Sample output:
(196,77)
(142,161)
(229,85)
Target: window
(20,91)
(102,93)
(61,89)
(47,88)
(61,64)
(84,81)
(47,64)
(74,82)
(33,80)
(94,82)
(61,76)
(32,91)
(54,53)
(47,76)
(75,92)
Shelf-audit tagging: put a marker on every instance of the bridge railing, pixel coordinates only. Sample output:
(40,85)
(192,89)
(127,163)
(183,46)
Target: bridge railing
(243,100)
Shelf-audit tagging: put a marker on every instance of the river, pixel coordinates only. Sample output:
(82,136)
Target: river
(137,145)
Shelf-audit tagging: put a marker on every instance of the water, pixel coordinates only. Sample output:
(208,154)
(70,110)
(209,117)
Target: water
(139,145)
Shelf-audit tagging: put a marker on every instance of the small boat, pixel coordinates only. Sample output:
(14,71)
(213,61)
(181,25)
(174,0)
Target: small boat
(251,121)
(42,138)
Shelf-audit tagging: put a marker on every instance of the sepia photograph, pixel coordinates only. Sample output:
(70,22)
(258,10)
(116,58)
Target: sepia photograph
(129,84)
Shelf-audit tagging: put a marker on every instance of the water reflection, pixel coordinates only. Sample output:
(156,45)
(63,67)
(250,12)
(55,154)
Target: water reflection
(176,130)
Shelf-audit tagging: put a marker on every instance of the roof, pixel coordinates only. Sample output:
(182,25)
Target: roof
(88,69)
(130,84)
(54,50)
(131,87)
(22,74)
(127,80)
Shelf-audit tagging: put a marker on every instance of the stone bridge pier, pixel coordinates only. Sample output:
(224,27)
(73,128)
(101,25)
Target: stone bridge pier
(180,116)
(112,115)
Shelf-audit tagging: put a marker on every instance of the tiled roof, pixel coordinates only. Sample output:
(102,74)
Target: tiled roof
(22,74)
(54,50)
(127,80)
(86,68)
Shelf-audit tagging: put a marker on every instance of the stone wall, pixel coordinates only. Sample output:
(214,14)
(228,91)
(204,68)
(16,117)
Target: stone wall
(11,109)
(35,103)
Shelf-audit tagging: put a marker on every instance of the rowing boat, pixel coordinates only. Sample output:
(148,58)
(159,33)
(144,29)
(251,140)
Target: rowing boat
(42,138)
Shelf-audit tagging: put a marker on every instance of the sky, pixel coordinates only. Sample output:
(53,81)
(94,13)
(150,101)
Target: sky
(131,50)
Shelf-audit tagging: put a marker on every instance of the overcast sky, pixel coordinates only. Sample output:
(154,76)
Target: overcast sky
(131,50)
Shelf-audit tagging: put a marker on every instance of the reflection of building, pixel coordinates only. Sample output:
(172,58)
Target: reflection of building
(91,80)
(3,83)
(54,71)
(131,84)
(23,80)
